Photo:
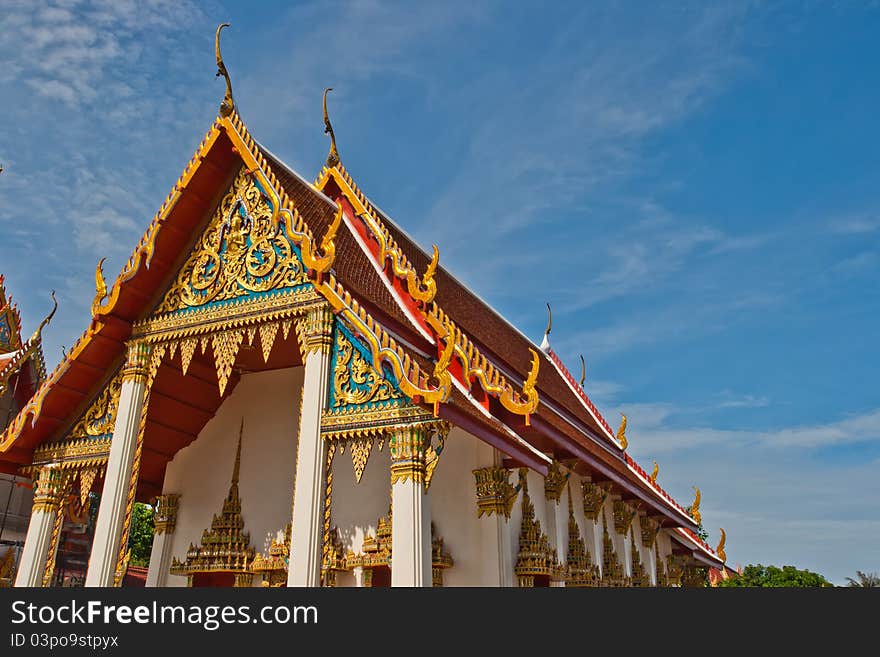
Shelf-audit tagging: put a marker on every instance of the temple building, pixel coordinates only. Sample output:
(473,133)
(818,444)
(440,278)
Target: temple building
(308,398)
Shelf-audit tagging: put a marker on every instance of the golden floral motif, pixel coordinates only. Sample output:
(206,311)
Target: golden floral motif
(352,368)
(241,252)
(495,493)
(594,498)
(101,415)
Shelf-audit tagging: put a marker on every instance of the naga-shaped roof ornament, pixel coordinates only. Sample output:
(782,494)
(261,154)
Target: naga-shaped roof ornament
(695,507)
(228,104)
(545,343)
(100,287)
(333,155)
(654,473)
(621,433)
(48,318)
(720,549)
(583,371)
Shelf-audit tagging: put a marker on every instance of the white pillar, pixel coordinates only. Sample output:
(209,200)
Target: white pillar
(410,508)
(358,573)
(555,516)
(308,489)
(114,497)
(164,522)
(48,490)
(652,566)
(495,497)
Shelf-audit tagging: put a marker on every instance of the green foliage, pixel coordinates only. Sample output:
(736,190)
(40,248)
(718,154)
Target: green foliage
(864,580)
(773,576)
(140,538)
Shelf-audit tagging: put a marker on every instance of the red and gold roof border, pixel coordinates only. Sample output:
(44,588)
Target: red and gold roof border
(473,366)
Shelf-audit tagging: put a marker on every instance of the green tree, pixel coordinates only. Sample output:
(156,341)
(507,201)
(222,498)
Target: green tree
(864,580)
(773,576)
(140,538)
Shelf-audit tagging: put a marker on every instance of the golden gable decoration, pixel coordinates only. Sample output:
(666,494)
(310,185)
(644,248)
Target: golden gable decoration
(241,252)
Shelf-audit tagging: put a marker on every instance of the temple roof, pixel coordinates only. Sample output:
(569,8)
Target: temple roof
(555,416)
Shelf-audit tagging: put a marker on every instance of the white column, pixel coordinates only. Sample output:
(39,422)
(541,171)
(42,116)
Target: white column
(410,509)
(164,522)
(652,566)
(114,496)
(48,490)
(358,573)
(495,497)
(308,489)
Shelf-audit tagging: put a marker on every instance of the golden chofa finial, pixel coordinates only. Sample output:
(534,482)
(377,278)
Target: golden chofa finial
(655,473)
(695,507)
(720,549)
(621,433)
(100,287)
(333,155)
(583,371)
(48,317)
(545,343)
(228,105)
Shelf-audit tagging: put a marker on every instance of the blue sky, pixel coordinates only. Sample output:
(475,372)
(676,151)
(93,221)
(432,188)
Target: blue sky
(694,188)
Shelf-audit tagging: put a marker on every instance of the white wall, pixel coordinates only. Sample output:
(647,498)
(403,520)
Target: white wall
(202,471)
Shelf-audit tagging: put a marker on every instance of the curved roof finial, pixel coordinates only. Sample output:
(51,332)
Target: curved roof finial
(48,318)
(655,473)
(583,371)
(228,104)
(545,343)
(621,433)
(720,549)
(695,507)
(333,155)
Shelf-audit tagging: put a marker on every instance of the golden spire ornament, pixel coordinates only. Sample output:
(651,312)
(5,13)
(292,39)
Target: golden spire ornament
(695,507)
(333,155)
(621,433)
(228,104)
(100,287)
(655,473)
(583,371)
(720,549)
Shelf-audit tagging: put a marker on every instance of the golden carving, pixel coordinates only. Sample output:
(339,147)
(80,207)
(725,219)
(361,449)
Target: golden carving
(695,507)
(640,577)
(71,454)
(225,547)
(165,514)
(535,557)
(594,498)
(623,514)
(49,489)
(425,290)
(580,569)
(554,482)
(333,155)
(100,417)
(360,451)
(242,251)
(408,447)
(621,433)
(351,368)
(86,480)
(228,104)
(100,287)
(272,567)
(136,366)
(226,346)
(720,549)
(649,529)
(315,331)
(655,472)
(613,574)
(495,493)
(432,454)
(529,402)
(344,424)
(320,260)
(7,568)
